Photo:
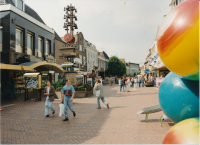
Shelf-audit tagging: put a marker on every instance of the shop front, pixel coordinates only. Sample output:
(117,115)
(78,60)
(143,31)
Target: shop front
(15,75)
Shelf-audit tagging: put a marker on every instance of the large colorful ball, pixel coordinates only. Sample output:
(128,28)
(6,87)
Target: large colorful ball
(185,132)
(178,40)
(179,97)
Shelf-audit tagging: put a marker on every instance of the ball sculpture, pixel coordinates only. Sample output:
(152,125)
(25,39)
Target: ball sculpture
(178,40)
(179,97)
(185,132)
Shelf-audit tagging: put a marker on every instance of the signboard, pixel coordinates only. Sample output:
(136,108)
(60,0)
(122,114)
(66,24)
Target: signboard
(31,82)
(50,58)
(147,71)
(71,76)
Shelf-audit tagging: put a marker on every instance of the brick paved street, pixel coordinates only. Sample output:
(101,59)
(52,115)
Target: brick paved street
(25,122)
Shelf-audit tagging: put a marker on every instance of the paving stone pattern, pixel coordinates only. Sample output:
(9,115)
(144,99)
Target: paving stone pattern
(25,122)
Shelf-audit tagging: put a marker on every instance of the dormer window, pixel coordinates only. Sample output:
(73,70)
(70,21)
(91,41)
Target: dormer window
(19,4)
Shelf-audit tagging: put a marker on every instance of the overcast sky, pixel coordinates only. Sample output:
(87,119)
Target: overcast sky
(126,28)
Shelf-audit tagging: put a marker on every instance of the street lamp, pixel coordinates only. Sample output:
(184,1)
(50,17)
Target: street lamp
(104,73)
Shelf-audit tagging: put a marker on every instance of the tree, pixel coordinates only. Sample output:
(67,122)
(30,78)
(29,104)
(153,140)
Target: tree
(116,67)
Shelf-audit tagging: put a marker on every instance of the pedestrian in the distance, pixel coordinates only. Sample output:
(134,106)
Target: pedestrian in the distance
(124,84)
(128,84)
(100,93)
(142,80)
(139,81)
(136,82)
(120,84)
(110,81)
(49,93)
(67,96)
(132,81)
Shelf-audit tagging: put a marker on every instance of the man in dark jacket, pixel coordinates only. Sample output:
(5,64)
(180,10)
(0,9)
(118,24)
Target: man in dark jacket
(124,83)
(49,92)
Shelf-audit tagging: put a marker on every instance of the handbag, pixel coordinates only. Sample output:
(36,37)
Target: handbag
(61,110)
(98,93)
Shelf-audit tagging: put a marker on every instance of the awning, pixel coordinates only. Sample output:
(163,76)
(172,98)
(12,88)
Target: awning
(10,67)
(42,66)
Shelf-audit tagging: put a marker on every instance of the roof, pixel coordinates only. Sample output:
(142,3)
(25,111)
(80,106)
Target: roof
(123,60)
(33,14)
(28,10)
(105,55)
(58,37)
(75,36)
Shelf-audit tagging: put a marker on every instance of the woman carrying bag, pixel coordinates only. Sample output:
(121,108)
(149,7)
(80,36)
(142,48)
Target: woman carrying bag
(100,93)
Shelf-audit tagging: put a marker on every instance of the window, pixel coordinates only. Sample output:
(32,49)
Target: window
(80,47)
(20,4)
(29,44)
(40,47)
(1,39)
(19,41)
(88,58)
(84,60)
(80,56)
(47,47)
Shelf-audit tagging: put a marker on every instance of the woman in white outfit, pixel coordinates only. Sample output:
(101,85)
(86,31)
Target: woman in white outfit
(128,84)
(135,82)
(99,89)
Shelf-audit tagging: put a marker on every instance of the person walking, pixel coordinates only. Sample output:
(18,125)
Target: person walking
(139,81)
(124,84)
(67,96)
(100,93)
(110,81)
(128,84)
(120,84)
(132,81)
(135,81)
(49,93)
(12,88)
(142,80)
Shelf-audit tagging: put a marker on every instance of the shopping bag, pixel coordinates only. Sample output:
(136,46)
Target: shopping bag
(61,110)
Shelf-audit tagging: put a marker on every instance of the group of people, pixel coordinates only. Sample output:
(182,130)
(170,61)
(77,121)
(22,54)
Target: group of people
(68,92)
(127,82)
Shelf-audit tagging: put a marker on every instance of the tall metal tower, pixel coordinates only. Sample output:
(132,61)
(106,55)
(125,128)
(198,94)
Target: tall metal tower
(70,22)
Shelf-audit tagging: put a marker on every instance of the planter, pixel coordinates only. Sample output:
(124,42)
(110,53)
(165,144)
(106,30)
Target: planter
(80,94)
(89,93)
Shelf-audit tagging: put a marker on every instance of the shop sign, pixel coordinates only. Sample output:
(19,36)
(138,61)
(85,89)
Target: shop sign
(147,71)
(51,72)
(50,58)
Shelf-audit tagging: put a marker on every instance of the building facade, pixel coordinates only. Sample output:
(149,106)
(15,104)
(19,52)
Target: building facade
(26,43)
(92,57)
(76,51)
(101,64)
(132,68)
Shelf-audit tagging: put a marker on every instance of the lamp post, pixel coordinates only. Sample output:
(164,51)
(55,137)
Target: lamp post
(104,73)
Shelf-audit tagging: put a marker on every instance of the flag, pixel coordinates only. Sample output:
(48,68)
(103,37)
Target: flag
(154,58)
(157,55)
